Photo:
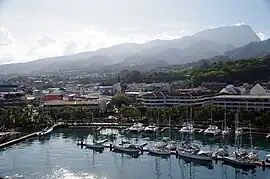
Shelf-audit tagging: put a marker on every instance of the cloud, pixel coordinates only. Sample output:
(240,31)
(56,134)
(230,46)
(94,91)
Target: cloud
(262,36)
(239,24)
(6,36)
(65,43)
(131,29)
(45,40)
(70,48)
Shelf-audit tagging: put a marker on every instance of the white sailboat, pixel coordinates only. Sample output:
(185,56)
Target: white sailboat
(226,130)
(136,127)
(188,151)
(241,158)
(172,144)
(212,129)
(159,149)
(125,149)
(94,146)
(151,128)
(187,128)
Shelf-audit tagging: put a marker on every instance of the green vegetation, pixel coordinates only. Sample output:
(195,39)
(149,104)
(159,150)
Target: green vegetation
(35,118)
(240,71)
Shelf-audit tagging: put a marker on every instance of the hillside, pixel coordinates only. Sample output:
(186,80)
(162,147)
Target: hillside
(254,49)
(241,71)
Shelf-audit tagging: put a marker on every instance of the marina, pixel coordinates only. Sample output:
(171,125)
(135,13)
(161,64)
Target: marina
(59,156)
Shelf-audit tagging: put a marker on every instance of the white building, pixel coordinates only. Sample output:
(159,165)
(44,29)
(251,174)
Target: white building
(194,97)
(257,98)
(229,97)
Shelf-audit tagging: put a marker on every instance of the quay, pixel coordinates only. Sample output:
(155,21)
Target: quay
(18,140)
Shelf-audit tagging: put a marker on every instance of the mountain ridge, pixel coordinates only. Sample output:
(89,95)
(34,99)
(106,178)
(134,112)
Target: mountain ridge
(164,52)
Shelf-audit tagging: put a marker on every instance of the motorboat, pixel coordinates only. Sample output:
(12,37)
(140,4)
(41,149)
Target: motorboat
(194,155)
(212,130)
(239,131)
(136,127)
(240,162)
(159,152)
(187,128)
(127,150)
(45,131)
(151,129)
(226,131)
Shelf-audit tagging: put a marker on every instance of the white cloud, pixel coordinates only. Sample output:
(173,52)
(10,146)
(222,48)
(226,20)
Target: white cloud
(45,40)
(240,23)
(262,36)
(5,36)
(86,39)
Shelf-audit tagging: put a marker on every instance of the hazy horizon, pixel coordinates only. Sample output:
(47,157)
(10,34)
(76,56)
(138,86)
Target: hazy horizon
(33,29)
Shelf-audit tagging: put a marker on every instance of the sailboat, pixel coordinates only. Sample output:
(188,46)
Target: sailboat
(212,129)
(226,130)
(172,144)
(130,150)
(188,151)
(242,158)
(94,146)
(160,150)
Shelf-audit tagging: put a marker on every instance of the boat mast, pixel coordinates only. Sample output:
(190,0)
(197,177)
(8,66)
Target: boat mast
(225,118)
(235,135)
(192,137)
(170,130)
(94,135)
(250,135)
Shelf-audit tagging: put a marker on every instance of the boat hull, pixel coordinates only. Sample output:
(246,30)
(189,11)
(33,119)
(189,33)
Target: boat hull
(195,157)
(156,152)
(126,150)
(235,162)
(94,147)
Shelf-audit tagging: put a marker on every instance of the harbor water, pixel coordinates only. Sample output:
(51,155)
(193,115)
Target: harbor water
(57,156)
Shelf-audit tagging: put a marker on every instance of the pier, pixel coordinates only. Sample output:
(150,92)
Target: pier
(18,140)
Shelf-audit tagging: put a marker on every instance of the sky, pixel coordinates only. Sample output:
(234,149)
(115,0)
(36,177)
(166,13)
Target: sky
(33,29)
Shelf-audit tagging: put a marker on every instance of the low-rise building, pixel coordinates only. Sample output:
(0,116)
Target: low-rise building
(191,97)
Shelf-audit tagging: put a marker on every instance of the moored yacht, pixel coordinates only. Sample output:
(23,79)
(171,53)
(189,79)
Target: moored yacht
(187,128)
(151,128)
(171,145)
(137,127)
(212,130)
(226,131)
(239,131)
(159,152)
(96,147)
(196,155)
(241,162)
(128,150)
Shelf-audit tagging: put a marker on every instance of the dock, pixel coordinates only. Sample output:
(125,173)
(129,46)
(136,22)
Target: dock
(18,140)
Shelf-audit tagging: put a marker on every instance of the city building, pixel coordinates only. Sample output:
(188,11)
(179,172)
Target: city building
(194,97)
(10,95)
(231,97)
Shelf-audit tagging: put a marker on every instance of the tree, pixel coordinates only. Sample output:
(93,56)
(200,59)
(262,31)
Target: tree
(119,101)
